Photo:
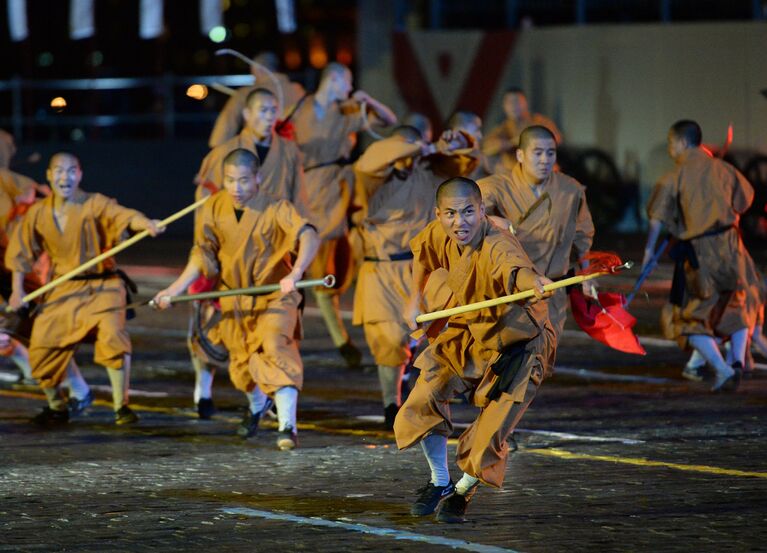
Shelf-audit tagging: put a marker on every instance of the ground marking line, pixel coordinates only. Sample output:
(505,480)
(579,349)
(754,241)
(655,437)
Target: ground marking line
(13,377)
(366,529)
(557,453)
(562,454)
(600,375)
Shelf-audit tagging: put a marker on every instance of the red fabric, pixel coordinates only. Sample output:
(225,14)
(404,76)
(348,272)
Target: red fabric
(285,129)
(202,284)
(611,324)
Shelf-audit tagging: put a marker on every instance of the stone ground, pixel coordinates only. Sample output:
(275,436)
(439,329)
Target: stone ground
(617,453)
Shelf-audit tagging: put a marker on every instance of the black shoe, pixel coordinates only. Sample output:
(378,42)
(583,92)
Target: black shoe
(351,355)
(205,408)
(249,424)
(125,415)
(78,406)
(287,439)
(453,510)
(429,498)
(390,413)
(49,417)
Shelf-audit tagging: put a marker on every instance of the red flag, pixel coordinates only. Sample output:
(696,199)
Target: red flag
(606,320)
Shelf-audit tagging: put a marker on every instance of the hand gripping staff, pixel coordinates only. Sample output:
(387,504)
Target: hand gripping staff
(601,264)
(109,253)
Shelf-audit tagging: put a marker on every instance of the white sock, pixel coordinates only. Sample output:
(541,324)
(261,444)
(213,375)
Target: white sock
(78,387)
(203,380)
(696,360)
(710,352)
(389,378)
(20,357)
(466,482)
(286,400)
(435,449)
(257,400)
(739,339)
(119,379)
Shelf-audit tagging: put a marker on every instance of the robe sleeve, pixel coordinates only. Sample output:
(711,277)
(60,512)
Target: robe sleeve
(290,222)
(508,258)
(204,253)
(661,206)
(426,248)
(115,219)
(25,245)
(457,163)
(489,188)
(743,192)
(584,227)
(381,155)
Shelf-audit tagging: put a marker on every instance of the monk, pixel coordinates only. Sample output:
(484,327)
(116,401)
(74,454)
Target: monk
(547,211)
(266,76)
(323,121)
(699,203)
(73,226)
(470,123)
(245,239)
(282,177)
(399,176)
(497,357)
(502,141)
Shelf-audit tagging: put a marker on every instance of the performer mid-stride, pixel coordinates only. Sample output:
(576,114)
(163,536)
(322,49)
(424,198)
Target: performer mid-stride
(497,356)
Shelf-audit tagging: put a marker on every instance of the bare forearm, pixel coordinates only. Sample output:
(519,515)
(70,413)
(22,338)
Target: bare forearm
(308,244)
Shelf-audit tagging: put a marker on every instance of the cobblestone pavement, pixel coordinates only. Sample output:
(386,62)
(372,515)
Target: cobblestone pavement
(617,453)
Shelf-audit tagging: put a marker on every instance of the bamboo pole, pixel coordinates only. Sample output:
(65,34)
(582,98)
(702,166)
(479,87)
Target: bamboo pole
(434,315)
(110,252)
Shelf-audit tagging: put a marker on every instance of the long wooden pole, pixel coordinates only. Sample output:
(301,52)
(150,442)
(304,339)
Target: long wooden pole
(434,315)
(328,282)
(110,252)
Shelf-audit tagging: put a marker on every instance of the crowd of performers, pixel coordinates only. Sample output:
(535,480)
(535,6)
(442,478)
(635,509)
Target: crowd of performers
(426,224)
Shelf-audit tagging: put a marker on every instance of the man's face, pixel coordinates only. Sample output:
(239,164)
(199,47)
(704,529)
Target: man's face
(339,85)
(461,216)
(538,159)
(240,183)
(515,105)
(675,146)
(473,128)
(64,176)
(261,115)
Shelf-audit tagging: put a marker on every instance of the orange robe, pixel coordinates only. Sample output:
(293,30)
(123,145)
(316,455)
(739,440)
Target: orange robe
(700,203)
(396,210)
(460,358)
(501,143)
(230,121)
(70,312)
(261,333)
(548,227)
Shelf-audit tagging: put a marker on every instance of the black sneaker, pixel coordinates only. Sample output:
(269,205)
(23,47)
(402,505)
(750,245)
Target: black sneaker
(351,355)
(205,408)
(390,413)
(287,439)
(249,424)
(78,406)
(49,417)
(429,498)
(125,415)
(453,510)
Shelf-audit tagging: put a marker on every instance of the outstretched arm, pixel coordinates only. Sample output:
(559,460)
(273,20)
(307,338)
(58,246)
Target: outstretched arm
(308,244)
(191,272)
(382,111)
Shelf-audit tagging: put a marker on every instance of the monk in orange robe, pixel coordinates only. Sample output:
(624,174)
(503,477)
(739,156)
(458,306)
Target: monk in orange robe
(470,124)
(699,203)
(501,142)
(323,121)
(231,121)
(245,239)
(547,211)
(497,357)
(72,227)
(399,176)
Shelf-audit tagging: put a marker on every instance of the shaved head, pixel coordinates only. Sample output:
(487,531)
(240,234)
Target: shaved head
(687,131)
(535,132)
(243,158)
(257,93)
(459,187)
(333,68)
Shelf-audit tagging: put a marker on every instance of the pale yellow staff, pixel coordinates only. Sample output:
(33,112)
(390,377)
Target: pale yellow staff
(443,313)
(109,253)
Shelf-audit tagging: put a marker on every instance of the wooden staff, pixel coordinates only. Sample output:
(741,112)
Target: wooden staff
(434,315)
(328,282)
(254,63)
(223,89)
(110,252)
